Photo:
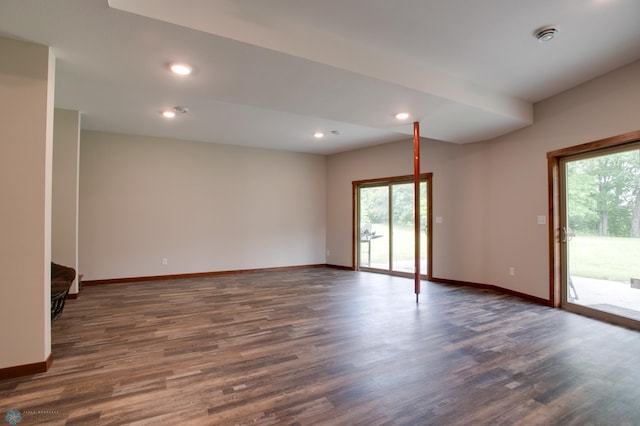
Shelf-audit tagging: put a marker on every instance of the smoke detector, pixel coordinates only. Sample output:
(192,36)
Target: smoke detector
(546,33)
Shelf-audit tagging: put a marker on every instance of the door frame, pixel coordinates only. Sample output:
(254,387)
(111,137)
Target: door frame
(355,185)
(556,276)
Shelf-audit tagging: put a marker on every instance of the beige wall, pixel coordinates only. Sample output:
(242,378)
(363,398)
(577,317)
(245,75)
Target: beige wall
(204,207)
(26,131)
(604,107)
(66,160)
(490,194)
(393,159)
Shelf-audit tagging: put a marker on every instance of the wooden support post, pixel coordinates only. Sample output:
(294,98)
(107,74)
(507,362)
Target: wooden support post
(416,200)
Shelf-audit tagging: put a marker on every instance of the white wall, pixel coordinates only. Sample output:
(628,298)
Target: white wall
(26,131)
(66,161)
(489,194)
(204,207)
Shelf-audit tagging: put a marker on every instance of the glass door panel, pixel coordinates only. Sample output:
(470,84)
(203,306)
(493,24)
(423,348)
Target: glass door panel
(374,227)
(424,237)
(402,225)
(601,232)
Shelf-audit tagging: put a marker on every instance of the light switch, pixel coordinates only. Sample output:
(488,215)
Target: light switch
(542,220)
(438,219)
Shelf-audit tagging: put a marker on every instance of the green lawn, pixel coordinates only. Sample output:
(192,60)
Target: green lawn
(403,244)
(610,258)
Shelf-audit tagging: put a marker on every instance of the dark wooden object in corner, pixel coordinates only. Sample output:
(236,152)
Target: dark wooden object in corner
(61,279)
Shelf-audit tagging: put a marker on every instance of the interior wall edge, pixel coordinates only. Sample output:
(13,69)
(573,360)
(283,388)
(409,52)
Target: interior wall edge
(26,369)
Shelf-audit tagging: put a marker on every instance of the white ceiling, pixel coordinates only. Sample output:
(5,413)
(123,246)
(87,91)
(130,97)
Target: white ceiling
(269,73)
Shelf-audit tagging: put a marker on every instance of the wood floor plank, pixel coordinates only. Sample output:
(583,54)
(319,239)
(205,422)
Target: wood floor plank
(326,347)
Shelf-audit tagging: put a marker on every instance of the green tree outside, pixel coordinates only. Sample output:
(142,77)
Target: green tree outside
(603,194)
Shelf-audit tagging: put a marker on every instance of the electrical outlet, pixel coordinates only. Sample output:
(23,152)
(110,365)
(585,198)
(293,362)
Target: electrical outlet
(328,252)
(512,270)
(165,261)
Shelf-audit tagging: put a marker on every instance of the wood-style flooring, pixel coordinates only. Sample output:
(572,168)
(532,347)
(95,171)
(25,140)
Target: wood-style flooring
(328,347)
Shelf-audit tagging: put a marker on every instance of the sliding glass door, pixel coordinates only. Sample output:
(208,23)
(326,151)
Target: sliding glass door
(385,220)
(600,233)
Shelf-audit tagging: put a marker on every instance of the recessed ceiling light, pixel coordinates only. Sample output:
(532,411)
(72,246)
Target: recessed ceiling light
(168,114)
(318,135)
(181,68)
(546,33)
(402,115)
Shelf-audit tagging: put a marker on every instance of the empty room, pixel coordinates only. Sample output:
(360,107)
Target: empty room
(419,212)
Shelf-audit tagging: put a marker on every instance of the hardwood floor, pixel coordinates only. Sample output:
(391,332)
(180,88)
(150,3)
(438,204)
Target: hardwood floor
(328,347)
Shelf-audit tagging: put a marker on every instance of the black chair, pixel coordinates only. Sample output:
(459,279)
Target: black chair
(61,279)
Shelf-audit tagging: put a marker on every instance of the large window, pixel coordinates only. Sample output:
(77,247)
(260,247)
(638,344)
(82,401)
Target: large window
(385,223)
